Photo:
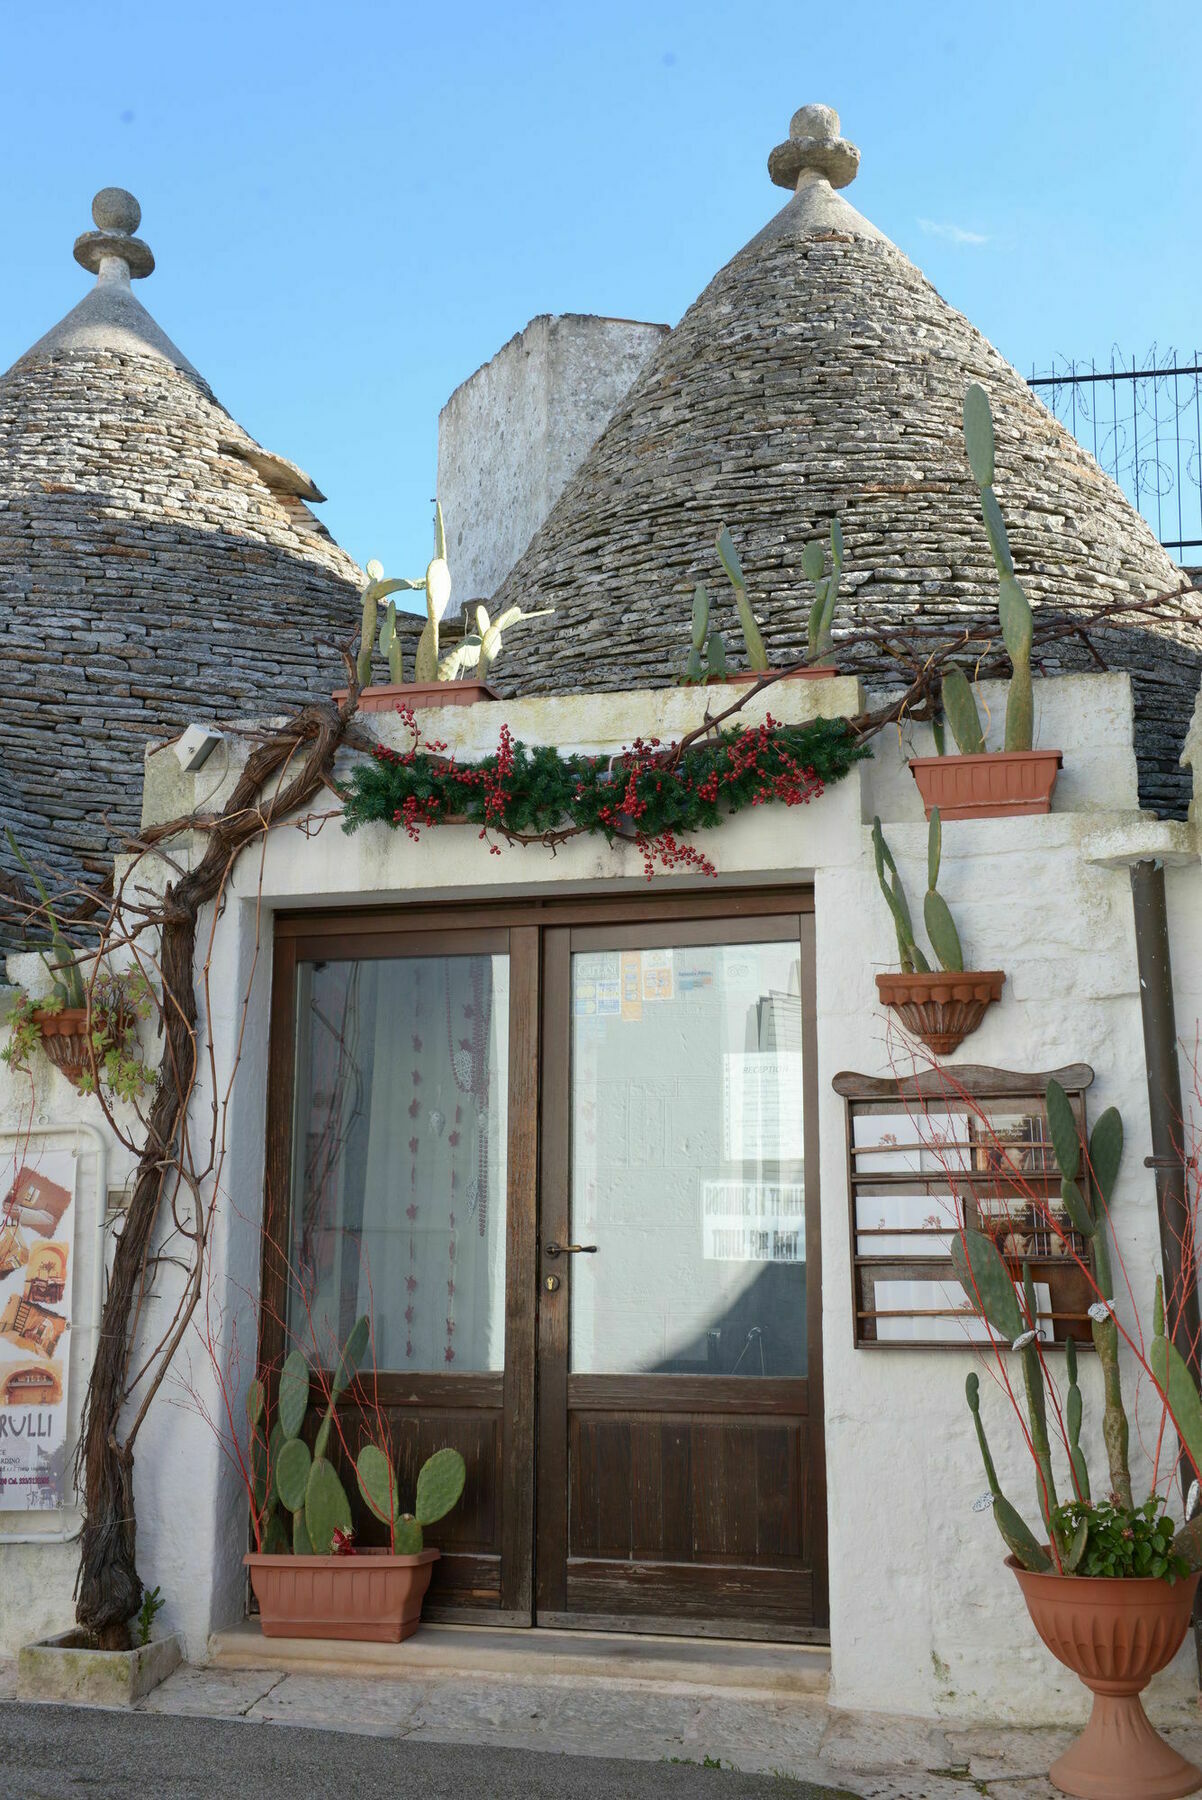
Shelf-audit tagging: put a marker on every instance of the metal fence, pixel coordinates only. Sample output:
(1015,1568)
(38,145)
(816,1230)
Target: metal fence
(1144,426)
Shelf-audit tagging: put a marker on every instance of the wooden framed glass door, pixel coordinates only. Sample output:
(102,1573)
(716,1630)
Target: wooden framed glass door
(680,1481)
(401,1182)
(457,1100)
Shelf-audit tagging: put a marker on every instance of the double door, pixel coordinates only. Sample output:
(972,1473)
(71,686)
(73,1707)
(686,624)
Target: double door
(566,1158)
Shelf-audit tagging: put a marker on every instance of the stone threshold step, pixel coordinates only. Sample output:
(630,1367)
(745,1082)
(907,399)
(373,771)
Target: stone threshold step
(712,1664)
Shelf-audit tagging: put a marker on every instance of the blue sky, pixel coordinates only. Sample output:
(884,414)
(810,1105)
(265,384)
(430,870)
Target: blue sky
(354,205)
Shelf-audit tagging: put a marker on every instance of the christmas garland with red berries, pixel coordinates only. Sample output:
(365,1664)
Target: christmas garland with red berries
(652,794)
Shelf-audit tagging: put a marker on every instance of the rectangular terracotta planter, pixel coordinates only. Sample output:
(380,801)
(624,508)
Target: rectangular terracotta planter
(389,696)
(372,1596)
(1001,784)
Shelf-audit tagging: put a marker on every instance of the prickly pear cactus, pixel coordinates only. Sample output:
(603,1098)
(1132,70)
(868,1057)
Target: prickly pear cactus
(408,1536)
(757,656)
(292,1473)
(1014,609)
(439,1484)
(326,1506)
(960,711)
(378,1482)
(293,1401)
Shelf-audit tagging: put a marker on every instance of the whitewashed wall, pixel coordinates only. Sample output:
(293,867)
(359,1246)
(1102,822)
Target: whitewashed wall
(924,1617)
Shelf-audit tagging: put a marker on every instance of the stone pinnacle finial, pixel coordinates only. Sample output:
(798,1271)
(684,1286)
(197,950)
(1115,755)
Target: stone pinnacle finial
(112,252)
(814,144)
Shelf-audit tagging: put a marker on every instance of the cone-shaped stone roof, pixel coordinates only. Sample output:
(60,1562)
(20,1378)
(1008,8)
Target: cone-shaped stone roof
(821,374)
(156,564)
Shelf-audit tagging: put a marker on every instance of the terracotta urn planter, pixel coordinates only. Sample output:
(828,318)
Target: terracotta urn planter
(390,696)
(1114,1634)
(371,1596)
(941,1008)
(1001,784)
(65,1040)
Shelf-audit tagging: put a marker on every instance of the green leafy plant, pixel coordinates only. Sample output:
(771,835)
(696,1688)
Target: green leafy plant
(1123,1541)
(152,1604)
(937,916)
(116,1004)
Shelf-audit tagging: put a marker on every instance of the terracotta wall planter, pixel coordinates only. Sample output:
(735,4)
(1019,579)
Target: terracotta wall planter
(372,1596)
(941,1009)
(389,696)
(65,1040)
(1001,784)
(1115,1635)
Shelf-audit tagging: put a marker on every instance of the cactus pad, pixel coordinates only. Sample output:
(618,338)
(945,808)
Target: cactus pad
(1106,1152)
(986,1280)
(377,1482)
(439,1485)
(292,1473)
(293,1401)
(407,1536)
(327,1508)
(353,1352)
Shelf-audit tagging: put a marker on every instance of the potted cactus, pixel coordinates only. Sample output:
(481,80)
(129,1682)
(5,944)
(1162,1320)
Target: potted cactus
(438,679)
(706,662)
(1109,1584)
(308,1575)
(978,784)
(941,1007)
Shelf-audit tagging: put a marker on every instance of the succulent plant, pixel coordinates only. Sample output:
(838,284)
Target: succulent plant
(1014,609)
(439,1485)
(941,927)
(437,585)
(757,656)
(707,652)
(826,590)
(480,649)
(378,589)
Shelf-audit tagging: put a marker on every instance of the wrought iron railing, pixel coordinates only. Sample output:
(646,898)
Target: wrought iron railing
(1143,424)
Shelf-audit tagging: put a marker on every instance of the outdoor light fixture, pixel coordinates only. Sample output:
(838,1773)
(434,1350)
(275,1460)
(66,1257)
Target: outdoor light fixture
(195,747)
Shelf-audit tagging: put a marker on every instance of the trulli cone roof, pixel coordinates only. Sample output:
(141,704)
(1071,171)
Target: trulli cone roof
(818,374)
(157,565)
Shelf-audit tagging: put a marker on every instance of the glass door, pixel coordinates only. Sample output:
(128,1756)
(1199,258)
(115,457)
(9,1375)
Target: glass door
(398,1193)
(679,1292)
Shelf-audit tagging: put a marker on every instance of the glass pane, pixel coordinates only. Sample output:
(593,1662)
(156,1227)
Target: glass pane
(687,1167)
(399,1158)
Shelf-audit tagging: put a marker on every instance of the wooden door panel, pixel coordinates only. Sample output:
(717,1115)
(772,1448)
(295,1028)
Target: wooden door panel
(702,1490)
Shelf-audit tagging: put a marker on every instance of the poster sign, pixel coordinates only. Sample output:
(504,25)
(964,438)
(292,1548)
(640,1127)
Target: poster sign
(761,1106)
(753,1221)
(37,1237)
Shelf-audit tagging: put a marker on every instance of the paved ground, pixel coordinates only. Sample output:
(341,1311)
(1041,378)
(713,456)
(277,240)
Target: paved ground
(63,1753)
(216,1733)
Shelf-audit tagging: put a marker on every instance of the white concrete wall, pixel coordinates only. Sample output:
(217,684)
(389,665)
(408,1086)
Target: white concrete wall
(924,1617)
(513,434)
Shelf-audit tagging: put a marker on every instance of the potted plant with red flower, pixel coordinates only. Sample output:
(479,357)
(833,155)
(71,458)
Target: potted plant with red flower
(1109,1583)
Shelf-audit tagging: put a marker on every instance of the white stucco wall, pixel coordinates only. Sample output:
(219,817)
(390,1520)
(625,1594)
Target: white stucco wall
(924,1617)
(513,434)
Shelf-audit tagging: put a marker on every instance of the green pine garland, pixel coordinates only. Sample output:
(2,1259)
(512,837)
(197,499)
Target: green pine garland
(642,794)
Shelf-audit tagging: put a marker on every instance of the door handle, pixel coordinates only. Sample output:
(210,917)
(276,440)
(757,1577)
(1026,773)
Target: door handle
(554,1249)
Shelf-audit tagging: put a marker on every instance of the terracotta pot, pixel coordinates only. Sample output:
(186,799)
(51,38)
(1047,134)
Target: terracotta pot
(1115,1635)
(1001,784)
(389,696)
(941,1008)
(372,1596)
(65,1040)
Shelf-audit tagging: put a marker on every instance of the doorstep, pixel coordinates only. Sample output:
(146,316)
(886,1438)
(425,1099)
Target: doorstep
(714,1665)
